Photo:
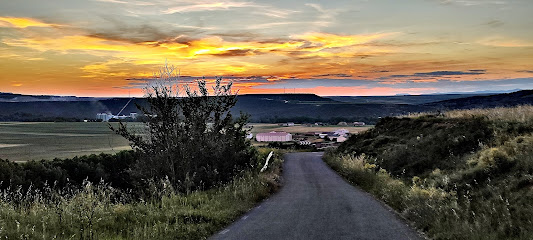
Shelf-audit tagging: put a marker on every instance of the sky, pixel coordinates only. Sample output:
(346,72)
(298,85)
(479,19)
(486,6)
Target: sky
(350,48)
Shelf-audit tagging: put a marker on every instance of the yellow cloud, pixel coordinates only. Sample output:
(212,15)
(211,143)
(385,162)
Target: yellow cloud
(509,44)
(504,42)
(327,40)
(23,22)
(233,57)
(95,67)
(147,51)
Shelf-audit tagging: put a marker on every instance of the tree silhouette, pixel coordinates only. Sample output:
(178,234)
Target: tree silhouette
(193,139)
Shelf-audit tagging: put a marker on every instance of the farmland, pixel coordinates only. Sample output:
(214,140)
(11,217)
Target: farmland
(23,141)
(36,141)
(299,128)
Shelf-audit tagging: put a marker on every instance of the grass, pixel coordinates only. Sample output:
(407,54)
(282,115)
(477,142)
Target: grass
(48,140)
(486,192)
(523,114)
(97,211)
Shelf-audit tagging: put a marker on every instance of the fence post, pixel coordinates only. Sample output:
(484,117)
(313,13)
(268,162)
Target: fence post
(266,163)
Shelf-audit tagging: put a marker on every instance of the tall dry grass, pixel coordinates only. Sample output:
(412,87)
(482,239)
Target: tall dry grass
(521,113)
(98,211)
(487,195)
(440,212)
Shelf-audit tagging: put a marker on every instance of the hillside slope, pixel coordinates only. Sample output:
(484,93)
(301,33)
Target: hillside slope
(463,174)
(490,101)
(402,99)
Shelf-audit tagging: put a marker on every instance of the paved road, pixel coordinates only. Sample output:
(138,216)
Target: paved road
(316,203)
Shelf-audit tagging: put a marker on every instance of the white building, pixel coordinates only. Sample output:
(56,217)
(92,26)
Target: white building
(273,137)
(341,132)
(104,116)
(249,136)
(341,139)
(287,124)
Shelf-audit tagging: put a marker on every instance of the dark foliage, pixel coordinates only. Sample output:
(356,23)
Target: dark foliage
(194,141)
(112,169)
(414,147)
(480,167)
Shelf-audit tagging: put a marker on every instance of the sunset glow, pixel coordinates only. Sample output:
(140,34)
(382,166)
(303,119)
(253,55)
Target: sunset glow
(109,48)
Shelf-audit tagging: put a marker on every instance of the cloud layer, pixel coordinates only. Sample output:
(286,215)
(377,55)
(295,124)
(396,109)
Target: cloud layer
(104,47)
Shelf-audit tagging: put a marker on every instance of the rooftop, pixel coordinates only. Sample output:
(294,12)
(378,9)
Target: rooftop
(273,134)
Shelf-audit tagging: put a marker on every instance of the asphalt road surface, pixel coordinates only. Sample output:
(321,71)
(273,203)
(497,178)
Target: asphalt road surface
(316,203)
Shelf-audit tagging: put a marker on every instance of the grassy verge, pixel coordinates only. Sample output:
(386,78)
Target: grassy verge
(97,211)
(450,181)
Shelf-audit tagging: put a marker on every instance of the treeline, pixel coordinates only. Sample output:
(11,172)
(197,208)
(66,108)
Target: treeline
(113,169)
(28,117)
(327,120)
(95,209)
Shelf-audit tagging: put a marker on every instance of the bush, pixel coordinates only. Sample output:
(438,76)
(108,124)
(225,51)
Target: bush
(100,211)
(192,140)
(415,147)
(113,169)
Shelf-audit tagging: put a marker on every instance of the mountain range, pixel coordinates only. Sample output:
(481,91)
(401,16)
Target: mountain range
(263,107)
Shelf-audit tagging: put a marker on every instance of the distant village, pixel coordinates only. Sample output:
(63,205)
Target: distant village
(311,139)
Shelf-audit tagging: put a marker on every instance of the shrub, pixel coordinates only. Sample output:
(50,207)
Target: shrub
(192,140)
(113,169)
(415,147)
(99,211)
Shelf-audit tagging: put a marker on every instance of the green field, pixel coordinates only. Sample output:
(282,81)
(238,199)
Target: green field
(22,141)
(48,140)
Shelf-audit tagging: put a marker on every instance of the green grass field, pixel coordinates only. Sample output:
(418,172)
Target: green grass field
(21,141)
(35,141)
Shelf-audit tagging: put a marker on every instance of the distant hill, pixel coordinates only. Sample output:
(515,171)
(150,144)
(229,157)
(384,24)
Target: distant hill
(13,97)
(298,97)
(68,110)
(311,108)
(262,107)
(403,99)
(490,101)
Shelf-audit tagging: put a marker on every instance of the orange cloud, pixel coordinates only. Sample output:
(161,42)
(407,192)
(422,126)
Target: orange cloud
(235,57)
(327,40)
(504,42)
(23,22)
(336,91)
(104,63)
